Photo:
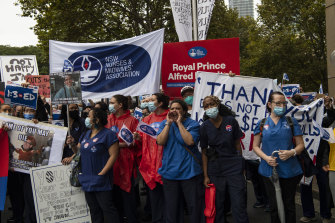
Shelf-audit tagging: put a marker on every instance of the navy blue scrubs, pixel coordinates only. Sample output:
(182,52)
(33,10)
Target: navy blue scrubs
(226,170)
(98,189)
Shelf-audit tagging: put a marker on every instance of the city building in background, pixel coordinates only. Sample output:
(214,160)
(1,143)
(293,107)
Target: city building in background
(243,7)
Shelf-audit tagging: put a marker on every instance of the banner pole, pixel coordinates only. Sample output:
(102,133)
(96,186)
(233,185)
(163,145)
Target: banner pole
(194,18)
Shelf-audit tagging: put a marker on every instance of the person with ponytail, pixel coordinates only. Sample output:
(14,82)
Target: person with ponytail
(223,164)
(124,167)
(99,149)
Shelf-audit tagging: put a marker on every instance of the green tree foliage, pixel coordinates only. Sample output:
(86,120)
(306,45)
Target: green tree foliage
(43,65)
(290,37)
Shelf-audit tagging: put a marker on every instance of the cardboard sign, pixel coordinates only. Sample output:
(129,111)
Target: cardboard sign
(17,95)
(15,68)
(42,82)
(182,60)
(55,199)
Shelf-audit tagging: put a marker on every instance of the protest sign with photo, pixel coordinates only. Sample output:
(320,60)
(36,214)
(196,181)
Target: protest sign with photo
(15,68)
(247,97)
(2,92)
(65,88)
(42,82)
(17,95)
(55,199)
(127,67)
(291,89)
(33,145)
(182,60)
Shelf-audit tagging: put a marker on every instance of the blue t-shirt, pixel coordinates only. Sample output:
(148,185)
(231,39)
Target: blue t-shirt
(222,140)
(279,137)
(177,163)
(94,156)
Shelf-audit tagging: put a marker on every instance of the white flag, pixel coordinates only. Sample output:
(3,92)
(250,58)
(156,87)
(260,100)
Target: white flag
(128,67)
(126,135)
(205,9)
(182,15)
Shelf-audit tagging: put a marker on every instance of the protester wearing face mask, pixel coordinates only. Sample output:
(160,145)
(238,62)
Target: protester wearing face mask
(187,93)
(125,164)
(77,127)
(181,166)
(18,112)
(152,155)
(223,164)
(99,150)
(276,134)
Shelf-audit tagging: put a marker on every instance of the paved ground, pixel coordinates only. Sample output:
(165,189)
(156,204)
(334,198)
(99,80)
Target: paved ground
(255,215)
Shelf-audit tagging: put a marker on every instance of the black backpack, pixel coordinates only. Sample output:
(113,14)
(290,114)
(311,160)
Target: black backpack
(305,161)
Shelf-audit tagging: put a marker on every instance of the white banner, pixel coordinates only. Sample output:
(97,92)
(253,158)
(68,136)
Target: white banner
(182,15)
(15,68)
(128,67)
(205,10)
(31,144)
(55,199)
(247,97)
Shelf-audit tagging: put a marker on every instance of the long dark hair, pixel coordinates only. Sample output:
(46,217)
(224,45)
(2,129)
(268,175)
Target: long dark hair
(223,110)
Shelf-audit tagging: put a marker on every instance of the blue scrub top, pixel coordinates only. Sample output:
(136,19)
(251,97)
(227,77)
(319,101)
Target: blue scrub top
(177,163)
(279,137)
(222,139)
(94,156)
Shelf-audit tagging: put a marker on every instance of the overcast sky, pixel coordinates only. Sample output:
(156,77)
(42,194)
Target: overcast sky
(15,30)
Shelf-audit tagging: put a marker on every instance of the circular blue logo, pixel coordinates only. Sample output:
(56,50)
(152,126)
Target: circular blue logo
(148,130)
(197,52)
(127,135)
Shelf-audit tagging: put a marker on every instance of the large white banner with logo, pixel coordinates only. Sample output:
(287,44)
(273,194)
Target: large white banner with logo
(247,97)
(204,9)
(182,15)
(55,199)
(14,68)
(129,67)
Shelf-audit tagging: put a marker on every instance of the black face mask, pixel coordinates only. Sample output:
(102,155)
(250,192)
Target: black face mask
(74,114)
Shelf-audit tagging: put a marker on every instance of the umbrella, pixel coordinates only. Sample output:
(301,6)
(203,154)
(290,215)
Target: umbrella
(275,180)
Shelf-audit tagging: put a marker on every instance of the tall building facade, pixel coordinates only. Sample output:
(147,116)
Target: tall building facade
(243,7)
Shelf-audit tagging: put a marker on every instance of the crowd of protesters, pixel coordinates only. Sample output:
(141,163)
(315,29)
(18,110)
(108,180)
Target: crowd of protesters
(174,169)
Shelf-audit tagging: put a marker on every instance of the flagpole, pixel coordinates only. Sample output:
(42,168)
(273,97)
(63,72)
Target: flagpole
(194,18)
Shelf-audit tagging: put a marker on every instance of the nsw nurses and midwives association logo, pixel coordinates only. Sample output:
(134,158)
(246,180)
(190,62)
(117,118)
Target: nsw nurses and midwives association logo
(109,68)
(197,52)
(90,68)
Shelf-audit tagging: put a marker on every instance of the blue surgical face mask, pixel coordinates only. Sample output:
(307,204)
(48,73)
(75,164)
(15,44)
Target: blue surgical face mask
(212,112)
(279,111)
(151,106)
(189,100)
(144,105)
(88,122)
(28,116)
(111,108)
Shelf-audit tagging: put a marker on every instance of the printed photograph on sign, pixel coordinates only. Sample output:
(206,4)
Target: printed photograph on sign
(15,67)
(33,145)
(65,88)
(29,146)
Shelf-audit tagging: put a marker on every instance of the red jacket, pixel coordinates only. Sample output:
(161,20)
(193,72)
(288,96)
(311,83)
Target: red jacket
(151,152)
(124,165)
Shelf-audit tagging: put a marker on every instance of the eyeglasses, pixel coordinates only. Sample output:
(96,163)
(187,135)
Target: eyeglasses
(279,103)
